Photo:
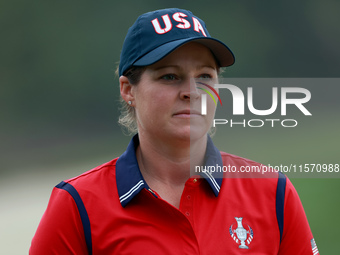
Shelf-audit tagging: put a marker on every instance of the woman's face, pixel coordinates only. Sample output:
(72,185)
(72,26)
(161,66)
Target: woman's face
(167,101)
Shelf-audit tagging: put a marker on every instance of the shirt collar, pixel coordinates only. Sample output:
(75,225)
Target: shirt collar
(130,180)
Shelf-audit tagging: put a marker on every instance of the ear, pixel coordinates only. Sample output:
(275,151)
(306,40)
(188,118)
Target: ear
(126,89)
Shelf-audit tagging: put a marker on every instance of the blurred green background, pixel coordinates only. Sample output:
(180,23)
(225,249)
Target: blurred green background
(59,96)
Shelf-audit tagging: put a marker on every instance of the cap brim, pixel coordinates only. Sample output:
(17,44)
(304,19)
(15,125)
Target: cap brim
(222,53)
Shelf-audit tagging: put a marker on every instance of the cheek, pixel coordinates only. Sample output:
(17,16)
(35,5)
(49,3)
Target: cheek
(211,109)
(211,103)
(152,102)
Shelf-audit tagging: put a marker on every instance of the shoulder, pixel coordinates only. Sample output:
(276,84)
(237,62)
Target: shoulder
(228,158)
(95,190)
(96,184)
(239,167)
(96,176)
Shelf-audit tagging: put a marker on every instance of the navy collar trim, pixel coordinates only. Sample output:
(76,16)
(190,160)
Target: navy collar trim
(213,158)
(130,180)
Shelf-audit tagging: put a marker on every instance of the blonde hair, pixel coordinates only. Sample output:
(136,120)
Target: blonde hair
(127,118)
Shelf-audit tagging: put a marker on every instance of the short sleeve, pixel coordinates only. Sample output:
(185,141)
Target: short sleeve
(297,237)
(60,230)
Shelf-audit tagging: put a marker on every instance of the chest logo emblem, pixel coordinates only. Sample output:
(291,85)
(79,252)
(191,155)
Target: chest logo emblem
(241,235)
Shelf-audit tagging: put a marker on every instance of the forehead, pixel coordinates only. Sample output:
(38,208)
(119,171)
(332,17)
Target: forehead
(192,53)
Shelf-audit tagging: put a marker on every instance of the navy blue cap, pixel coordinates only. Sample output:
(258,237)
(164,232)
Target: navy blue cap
(156,34)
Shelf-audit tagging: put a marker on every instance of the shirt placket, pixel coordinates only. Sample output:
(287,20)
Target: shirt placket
(187,200)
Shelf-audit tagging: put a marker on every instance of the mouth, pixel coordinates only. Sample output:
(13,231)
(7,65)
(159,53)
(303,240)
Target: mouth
(185,114)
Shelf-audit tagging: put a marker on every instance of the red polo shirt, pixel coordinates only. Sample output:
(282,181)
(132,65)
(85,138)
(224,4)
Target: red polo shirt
(111,210)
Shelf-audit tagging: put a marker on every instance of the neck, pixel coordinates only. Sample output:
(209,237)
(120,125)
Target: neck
(169,163)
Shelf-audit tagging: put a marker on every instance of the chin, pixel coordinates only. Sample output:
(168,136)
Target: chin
(183,134)
(197,133)
(187,134)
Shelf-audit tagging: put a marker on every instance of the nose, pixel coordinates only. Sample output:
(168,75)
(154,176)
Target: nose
(189,90)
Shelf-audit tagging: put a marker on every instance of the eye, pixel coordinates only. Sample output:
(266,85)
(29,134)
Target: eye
(205,76)
(169,77)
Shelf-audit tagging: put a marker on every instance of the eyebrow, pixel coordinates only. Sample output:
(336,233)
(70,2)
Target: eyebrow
(165,66)
(178,67)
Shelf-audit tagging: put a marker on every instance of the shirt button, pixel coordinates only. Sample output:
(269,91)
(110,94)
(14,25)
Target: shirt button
(188,197)
(187,214)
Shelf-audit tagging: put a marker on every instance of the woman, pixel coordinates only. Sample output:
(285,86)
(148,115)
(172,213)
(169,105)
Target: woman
(147,201)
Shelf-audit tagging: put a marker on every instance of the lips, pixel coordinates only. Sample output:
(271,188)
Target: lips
(187,113)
